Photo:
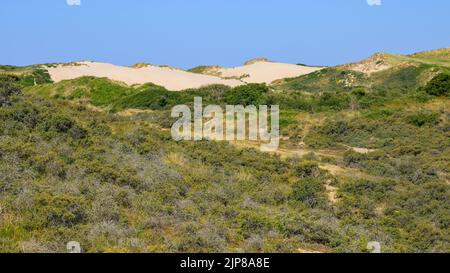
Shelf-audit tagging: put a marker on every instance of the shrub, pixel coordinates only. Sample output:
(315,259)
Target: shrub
(307,169)
(8,89)
(333,101)
(310,191)
(38,76)
(335,128)
(439,85)
(423,118)
(60,210)
(352,158)
(251,94)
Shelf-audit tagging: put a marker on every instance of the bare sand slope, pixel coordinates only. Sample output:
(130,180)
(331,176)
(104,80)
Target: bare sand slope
(266,72)
(172,79)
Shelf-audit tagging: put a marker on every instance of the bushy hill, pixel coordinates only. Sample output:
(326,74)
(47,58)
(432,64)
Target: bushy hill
(364,157)
(382,70)
(256,60)
(207,70)
(28,75)
(439,56)
(97,91)
(120,184)
(382,61)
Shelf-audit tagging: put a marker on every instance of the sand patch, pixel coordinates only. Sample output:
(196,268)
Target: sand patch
(360,150)
(255,71)
(263,71)
(375,63)
(172,79)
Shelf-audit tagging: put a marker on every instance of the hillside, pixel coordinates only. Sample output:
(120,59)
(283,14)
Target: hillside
(382,70)
(439,56)
(383,61)
(363,157)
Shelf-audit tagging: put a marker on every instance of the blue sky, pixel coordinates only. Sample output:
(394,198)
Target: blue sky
(187,33)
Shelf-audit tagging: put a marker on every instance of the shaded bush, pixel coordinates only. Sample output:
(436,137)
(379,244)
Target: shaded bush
(307,169)
(439,85)
(250,94)
(423,118)
(8,90)
(60,210)
(310,191)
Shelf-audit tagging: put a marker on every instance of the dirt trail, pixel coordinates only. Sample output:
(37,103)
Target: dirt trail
(132,112)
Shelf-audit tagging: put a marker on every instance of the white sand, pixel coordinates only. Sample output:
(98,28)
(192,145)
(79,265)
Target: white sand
(266,72)
(172,79)
(177,79)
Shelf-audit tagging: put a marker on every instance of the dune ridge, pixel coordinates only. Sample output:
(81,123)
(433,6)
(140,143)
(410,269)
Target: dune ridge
(173,79)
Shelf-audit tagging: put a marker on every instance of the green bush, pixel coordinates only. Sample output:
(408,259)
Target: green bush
(439,85)
(354,159)
(310,191)
(333,101)
(38,76)
(423,118)
(250,94)
(8,90)
(60,210)
(307,169)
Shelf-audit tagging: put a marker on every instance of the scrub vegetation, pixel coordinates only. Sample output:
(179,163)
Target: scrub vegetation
(364,157)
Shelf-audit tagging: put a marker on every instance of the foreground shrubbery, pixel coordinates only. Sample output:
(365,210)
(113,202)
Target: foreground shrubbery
(121,184)
(66,176)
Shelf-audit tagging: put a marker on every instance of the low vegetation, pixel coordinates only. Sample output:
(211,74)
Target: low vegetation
(363,158)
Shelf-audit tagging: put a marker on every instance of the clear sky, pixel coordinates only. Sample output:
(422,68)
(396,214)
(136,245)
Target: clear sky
(187,33)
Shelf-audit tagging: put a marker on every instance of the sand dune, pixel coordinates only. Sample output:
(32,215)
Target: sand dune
(265,71)
(172,79)
(260,71)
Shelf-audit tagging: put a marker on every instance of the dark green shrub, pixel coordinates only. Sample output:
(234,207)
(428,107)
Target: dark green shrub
(310,191)
(8,90)
(59,124)
(307,169)
(423,118)
(251,94)
(333,101)
(60,210)
(335,128)
(439,85)
(38,76)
